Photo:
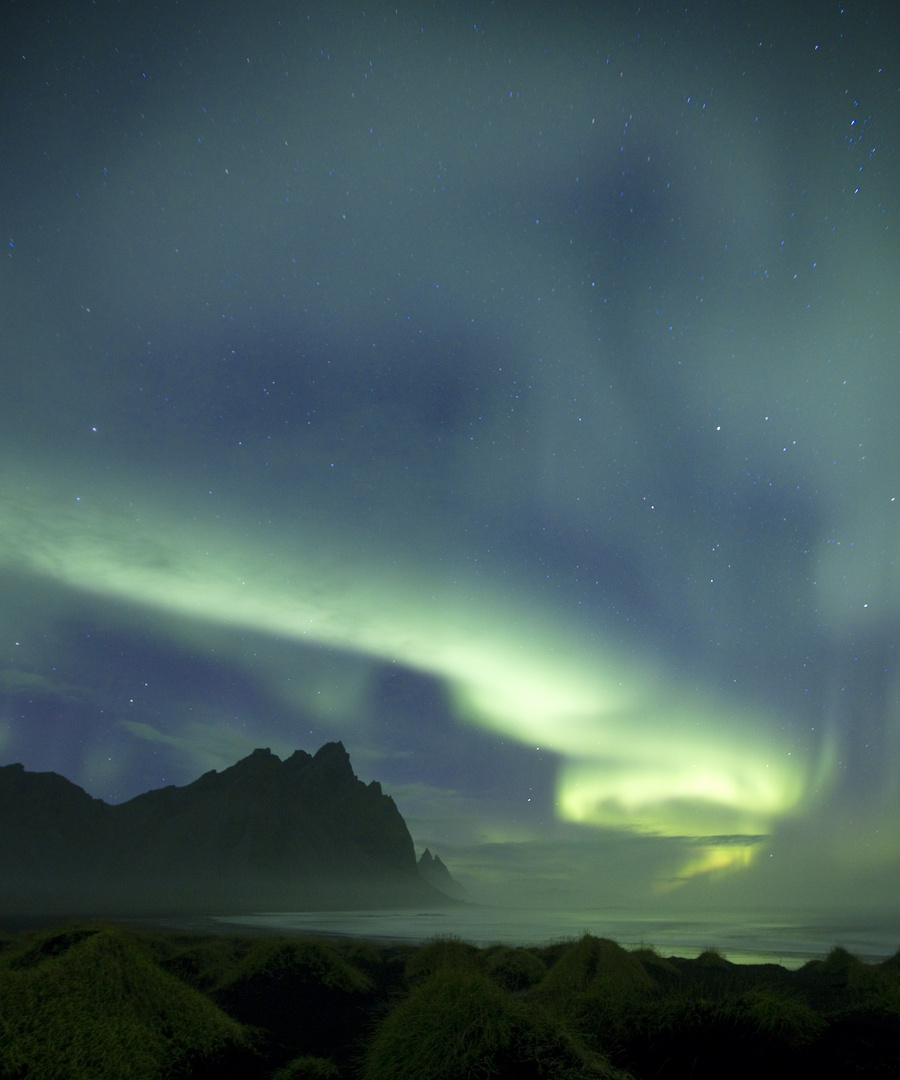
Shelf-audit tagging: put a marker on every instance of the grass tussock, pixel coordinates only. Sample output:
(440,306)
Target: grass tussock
(662,971)
(776,1016)
(302,963)
(515,969)
(598,968)
(206,963)
(89,1002)
(308,1068)
(304,994)
(512,968)
(843,981)
(459,1024)
(442,953)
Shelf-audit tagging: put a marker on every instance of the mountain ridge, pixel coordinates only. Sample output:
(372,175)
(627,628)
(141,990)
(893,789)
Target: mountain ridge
(262,834)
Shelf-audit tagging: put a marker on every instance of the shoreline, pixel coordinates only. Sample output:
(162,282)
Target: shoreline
(331,926)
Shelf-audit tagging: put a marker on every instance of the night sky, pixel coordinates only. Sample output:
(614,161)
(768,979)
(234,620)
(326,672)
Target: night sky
(511,391)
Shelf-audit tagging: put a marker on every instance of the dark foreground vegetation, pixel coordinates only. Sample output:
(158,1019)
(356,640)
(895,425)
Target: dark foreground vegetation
(106,1001)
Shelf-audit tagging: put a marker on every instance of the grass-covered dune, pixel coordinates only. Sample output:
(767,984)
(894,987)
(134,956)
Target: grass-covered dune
(95,1000)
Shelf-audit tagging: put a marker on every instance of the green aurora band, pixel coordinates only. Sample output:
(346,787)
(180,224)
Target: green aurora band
(640,750)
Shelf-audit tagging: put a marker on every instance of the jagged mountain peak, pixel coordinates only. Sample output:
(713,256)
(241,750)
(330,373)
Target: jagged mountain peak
(263,833)
(433,870)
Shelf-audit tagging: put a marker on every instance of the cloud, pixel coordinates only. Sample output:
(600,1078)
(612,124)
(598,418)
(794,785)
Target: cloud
(201,746)
(30,684)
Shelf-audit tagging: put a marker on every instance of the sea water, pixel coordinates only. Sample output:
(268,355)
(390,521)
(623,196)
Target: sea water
(789,941)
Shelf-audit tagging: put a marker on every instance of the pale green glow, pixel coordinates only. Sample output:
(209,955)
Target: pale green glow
(640,751)
(712,859)
(207,745)
(719,791)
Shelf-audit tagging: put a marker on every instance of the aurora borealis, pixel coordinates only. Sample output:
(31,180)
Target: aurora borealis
(511,395)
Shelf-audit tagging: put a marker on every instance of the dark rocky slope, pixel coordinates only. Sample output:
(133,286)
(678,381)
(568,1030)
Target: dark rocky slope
(264,834)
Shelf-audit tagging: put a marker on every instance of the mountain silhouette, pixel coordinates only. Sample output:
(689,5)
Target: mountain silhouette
(433,870)
(264,834)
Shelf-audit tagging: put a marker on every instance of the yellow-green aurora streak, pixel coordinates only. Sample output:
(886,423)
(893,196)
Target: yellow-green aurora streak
(640,750)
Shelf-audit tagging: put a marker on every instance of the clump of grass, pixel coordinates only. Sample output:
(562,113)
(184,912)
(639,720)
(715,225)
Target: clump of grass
(440,953)
(303,993)
(598,986)
(364,954)
(660,1016)
(50,944)
(90,1003)
(774,1016)
(308,1068)
(663,972)
(889,971)
(206,963)
(458,1024)
(304,963)
(892,963)
(712,958)
(645,952)
(513,968)
(597,967)
(843,981)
